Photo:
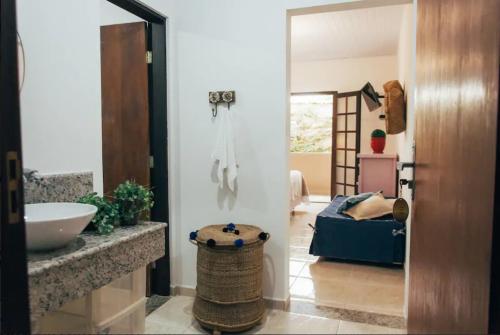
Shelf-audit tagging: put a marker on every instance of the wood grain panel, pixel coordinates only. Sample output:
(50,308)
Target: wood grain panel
(456,124)
(125,109)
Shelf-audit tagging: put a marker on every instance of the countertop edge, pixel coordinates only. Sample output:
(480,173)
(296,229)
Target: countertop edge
(75,256)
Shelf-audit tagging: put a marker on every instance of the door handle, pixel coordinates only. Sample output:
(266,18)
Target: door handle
(410,165)
(403,165)
(13,170)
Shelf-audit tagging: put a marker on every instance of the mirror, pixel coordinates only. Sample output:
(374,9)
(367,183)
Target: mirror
(84,97)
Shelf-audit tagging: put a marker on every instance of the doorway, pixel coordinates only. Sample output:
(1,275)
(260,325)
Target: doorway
(343,273)
(139,111)
(125,105)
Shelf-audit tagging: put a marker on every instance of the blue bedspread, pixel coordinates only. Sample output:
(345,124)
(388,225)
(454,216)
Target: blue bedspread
(339,236)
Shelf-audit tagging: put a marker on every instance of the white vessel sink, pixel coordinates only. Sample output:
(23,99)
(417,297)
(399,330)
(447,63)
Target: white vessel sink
(53,225)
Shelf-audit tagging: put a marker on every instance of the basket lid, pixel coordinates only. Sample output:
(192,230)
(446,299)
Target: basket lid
(227,235)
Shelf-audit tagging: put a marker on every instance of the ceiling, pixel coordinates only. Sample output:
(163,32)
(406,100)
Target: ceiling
(366,32)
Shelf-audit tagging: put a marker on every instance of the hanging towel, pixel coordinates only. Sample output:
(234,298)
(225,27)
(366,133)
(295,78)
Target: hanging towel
(224,154)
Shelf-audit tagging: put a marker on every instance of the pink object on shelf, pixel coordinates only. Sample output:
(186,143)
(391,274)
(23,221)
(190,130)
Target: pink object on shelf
(378,172)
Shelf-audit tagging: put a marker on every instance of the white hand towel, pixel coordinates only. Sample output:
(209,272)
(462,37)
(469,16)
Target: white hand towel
(224,154)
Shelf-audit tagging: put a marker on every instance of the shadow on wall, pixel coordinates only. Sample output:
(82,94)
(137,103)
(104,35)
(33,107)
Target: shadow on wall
(269,277)
(250,169)
(224,194)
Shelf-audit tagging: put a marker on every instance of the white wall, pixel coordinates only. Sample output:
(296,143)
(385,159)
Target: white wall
(350,74)
(241,45)
(216,44)
(406,61)
(61,99)
(112,14)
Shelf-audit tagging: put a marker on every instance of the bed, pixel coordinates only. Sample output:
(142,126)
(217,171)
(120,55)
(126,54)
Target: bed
(298,189)
(338,236)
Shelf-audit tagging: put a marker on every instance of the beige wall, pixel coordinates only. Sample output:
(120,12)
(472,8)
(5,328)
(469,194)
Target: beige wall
(350,74)
(342,75)
(316,168)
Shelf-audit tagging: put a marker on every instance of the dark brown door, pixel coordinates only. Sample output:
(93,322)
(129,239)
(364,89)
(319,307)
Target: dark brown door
(125,111)
(456,125)
(346,143)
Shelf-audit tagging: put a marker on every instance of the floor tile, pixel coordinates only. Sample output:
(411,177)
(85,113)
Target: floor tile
(303,306)
(347,327)
(363,287)
(174,317)
(296,267)
(302,288)
(279,322)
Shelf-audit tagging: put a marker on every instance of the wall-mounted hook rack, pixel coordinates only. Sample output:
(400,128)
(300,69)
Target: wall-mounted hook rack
(217,97)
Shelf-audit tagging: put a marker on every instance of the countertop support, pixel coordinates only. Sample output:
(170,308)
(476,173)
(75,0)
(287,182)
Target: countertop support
(90,262)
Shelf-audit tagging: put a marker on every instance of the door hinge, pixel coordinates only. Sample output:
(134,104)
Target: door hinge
(151,162)
(149,57)
(13,171)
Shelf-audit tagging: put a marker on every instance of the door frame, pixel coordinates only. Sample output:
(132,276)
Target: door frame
(157,80)
(15,312)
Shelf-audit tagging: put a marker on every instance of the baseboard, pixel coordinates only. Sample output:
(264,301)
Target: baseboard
(282,305)
(271,303)
(183,290)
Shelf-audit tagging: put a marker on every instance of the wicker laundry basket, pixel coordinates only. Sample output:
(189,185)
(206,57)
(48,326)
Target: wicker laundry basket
(229,277)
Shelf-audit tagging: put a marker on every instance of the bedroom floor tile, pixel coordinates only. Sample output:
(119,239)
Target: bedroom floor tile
(296,267)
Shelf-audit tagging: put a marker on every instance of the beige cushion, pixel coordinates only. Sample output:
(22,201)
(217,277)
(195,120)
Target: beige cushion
(373,207)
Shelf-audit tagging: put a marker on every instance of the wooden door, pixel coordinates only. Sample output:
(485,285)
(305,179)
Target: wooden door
(456,127)
(125,108)
(347,143)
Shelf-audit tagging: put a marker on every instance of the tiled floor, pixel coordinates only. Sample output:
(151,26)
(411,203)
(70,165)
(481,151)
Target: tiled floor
(357,287)
(175,317)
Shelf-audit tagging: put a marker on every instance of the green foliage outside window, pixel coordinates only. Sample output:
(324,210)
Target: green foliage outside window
(311,123)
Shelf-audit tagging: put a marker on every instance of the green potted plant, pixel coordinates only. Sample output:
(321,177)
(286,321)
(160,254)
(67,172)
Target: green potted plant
(378,141)
(132,200)
(106,218)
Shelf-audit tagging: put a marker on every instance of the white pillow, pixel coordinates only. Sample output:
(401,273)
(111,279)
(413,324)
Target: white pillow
(373,207)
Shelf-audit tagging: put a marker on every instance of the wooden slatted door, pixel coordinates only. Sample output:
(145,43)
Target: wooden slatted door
(347,142)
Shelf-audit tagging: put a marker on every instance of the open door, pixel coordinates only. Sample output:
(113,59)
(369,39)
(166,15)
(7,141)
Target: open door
(14,304)
(346,143)
(456,145)
(125,106)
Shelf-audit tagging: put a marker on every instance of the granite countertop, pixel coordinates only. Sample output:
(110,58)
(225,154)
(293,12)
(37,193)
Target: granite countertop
(90,262)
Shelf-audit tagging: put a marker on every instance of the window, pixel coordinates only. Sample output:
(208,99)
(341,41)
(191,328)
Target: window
(311,123)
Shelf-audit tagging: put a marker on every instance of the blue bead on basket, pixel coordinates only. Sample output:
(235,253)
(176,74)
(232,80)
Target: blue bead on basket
(193,235)
(231,226)
(238,243)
